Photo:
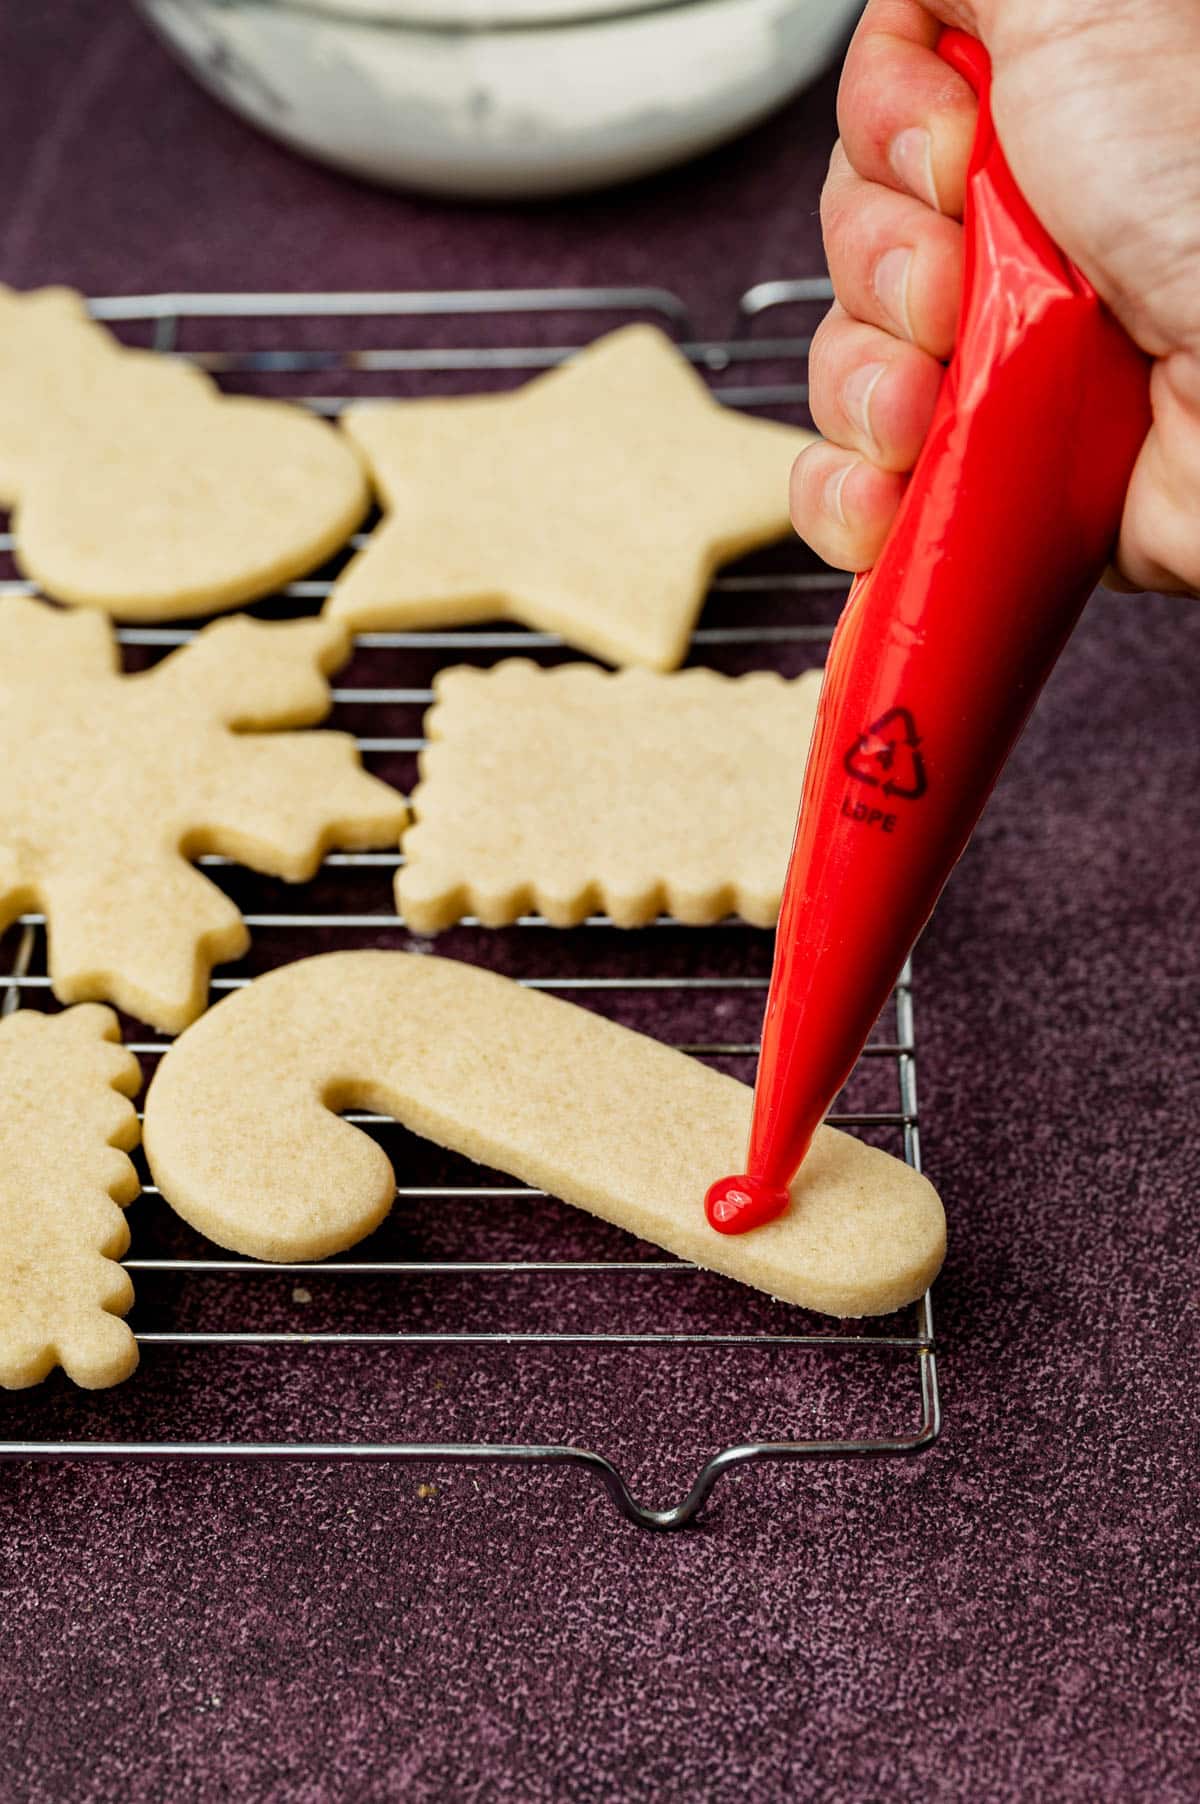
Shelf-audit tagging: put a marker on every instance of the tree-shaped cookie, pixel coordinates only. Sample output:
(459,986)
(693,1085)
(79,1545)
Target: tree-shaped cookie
(594,502)
(138,488)
(109,784)
(65,1126)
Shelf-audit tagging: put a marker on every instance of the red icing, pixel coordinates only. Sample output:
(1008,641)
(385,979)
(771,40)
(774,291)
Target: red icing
(1005,527)
(735,1205)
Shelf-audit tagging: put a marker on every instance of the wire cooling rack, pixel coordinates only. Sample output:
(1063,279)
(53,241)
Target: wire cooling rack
(520,1281)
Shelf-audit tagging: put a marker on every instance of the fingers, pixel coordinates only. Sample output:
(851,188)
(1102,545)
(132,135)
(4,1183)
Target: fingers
(872,396)
(1159,546)
(889,214)
(894,262)
(906,119)
(870,392)
(842,505)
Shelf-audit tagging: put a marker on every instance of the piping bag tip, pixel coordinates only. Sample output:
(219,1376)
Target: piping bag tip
(734,1205)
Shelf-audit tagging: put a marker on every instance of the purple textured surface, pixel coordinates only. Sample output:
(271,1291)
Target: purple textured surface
(1015,1615)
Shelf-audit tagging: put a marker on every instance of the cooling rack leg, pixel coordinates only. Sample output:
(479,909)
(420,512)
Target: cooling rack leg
(685,1513)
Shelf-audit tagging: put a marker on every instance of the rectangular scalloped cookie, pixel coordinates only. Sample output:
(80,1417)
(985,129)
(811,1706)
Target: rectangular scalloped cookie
(574,789)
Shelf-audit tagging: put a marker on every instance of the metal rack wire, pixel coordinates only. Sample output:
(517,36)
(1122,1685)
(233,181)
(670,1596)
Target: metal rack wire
(323,341)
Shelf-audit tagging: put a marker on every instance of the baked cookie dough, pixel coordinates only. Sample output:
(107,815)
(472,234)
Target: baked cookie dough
(243,1136)
(66,1125)
(577,788)
(594,502)
(138,488)
(111,783)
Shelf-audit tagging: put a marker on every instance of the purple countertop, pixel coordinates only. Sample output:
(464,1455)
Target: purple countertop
(1012,1616)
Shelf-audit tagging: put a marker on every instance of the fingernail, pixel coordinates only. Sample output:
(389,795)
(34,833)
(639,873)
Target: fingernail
(831,498)
(857,390)
(891,285)
(911,157)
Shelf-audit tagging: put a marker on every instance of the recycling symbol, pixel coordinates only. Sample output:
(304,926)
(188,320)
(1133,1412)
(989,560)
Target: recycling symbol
(888,757)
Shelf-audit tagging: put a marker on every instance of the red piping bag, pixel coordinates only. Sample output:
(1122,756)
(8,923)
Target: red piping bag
(1003,532)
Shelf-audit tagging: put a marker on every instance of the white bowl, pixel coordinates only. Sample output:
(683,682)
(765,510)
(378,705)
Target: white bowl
(496,98)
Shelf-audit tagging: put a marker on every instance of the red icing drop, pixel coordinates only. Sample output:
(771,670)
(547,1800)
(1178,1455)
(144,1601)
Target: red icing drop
(735,1205)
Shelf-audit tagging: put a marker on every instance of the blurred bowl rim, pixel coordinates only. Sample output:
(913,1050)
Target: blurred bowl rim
(475,16)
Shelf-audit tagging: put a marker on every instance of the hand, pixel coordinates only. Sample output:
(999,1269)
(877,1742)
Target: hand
(1097,107)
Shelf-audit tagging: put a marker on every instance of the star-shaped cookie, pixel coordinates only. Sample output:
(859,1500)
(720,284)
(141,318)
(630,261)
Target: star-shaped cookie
(111,783)
(594,502)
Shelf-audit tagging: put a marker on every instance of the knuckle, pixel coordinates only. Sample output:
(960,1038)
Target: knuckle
(824,360)
(824,344)
(832,210)
(802,468)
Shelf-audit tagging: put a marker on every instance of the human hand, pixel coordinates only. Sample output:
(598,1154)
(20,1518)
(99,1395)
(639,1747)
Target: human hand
(1097,107)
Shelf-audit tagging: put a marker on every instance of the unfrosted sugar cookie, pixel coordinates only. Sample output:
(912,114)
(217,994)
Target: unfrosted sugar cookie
(140,489)
(109,784)
(578,788)
(244,1140)
(66,1125)
(595,502)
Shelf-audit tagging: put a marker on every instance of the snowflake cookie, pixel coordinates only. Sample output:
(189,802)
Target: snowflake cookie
(66,1125)
(111,783)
